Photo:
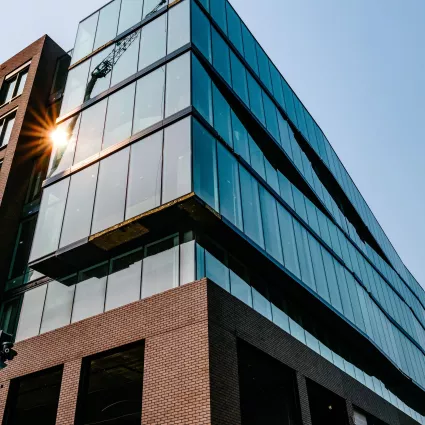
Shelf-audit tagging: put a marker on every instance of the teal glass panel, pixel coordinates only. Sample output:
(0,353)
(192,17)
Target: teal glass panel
(285,187)
(206,4)
(217,271)
(218,13)
(240,138)
(240,289)
(256,99)
(205,165)
(332,280)
(355,303)
(319,269)
(202,90)
(271,117)
(299,203)
(261,304)
(249,44)
(343,290)
(257,158)
(263,65)
(277,86)
(229,188)
(289,101)
(222,117)
(251,207)
(234,31)
(271,175)
(304,255)
(221,56)
(201,31)
(239,76)
(324,230)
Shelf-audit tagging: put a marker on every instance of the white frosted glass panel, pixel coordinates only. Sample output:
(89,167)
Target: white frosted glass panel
(187,262)
(58,306)
(160,272)
(32,309)
(89,298)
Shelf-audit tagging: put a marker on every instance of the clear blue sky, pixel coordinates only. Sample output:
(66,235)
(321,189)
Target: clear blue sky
(358,66)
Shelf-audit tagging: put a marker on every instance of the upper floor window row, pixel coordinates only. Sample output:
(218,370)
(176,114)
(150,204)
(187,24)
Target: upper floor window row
(6,126)
(135,52)
(13,85)
(114,18)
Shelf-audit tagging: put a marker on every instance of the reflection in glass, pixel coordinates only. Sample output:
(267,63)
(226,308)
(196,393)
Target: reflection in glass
(240,138)
(153,42)
(31,311)
(144,181)
(178,26)
(149,106)
(79,206)
(110,192)
(131,14)
(152,6)
(91,131)
(75,87)
(202,94)
(119,116)
(176,178)
(222,119)
(58,306)
(251,207)
(127,63)
(124,280)
(178,85)
(49,223)
(101,84)
(85,38)
(230,196)
(107,25)
(257,158)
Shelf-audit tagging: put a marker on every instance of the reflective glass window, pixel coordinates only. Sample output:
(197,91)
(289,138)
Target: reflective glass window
(31,312)
(332,280)
(284,133)
(263,65)
(130,14)
(312,216)
(221,56)
(79,206)
(261,304)
(249,44)
(178,26)
(239,74)
(290,254)
(127,63)
(257,158)
(152,6)
(285,188)
(251,207)
(161,269)
(240,289)
(289,102)
(229,188)
(271,117)
(218,12)
(144,181)
(277,86)
(299,202)
(206,4)
(149,106)
(217,271)
(202,91)
(49,222)
(178,85)
(75,87)
(176,174)
(256,99)
(119,116)
(22,79)
(58,306)
(124,280)
(153,42)
(355,303)
(271,225)
(7,90)
(107,24)
(110,192)
(319,269)
(222,118)
(89,297)
(240,138)
(234,31)
(85,38)
(91,131)
(187,262)
(205,165)
(100,84)
(280,318)
(6,126)
(304,256)
(201,31)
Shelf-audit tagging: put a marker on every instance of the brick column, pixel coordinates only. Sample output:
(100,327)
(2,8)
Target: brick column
(303,398)
(4,390)
(224,375)
(68,393)
(176,386)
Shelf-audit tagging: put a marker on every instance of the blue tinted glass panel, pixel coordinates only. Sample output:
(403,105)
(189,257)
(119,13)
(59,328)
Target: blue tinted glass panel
(222,118)
(277,86)
(299,203)
(206,4)
(218,12)
(284,132)
(240,289)
(285,187)
(271,175)
(261,304)
(318,267)
(202,91)
(271,117)
(257,158)
(312,216)
(221,56)
(251,207)
(239,78)
(289,101)
(240,138)
(249,48)
(256,99)
(304,256)
(271,225)
(263,64)
(205,165)
(234,28)
(201,31)
(229,188)
(216,271)
(355,303)
(332,280)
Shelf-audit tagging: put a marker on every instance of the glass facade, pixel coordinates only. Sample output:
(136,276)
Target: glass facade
(193,105)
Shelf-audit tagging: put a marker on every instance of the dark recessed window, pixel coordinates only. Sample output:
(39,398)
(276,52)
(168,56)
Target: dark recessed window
(111,387)
(34,396)
(6,126)
(13,86)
